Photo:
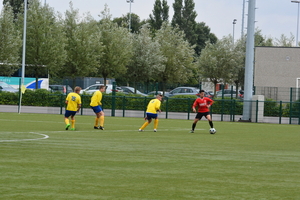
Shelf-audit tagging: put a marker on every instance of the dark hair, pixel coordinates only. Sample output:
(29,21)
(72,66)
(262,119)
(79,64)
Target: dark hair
(201,91)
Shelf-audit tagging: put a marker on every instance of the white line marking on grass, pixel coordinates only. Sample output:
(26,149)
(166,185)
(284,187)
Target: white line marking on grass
(18,140)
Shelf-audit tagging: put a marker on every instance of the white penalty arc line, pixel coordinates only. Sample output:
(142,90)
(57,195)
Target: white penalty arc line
(18,140)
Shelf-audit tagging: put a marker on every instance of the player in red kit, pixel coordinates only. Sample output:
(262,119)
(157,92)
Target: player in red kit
(203,104)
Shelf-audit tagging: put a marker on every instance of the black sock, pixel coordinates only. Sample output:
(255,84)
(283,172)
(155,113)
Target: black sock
(193,126)
(211,124)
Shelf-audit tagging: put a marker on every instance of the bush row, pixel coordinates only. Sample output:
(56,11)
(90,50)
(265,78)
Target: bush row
(181,103)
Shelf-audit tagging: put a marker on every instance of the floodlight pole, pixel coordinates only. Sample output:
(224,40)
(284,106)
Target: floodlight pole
(233,24)
(248,84)
(243,16)
(23,54)
(129,1)
(297,22)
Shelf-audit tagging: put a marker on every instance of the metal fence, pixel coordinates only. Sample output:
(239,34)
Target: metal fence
(270,111)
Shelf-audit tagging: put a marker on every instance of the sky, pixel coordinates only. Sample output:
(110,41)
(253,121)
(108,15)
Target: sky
(273,17)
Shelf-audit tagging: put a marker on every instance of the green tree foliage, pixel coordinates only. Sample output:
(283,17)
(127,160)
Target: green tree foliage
(217,61)
(238,64)
(203,35)
(160,13)
(124,22)
(178,53)
(284,41)
(177,17)
(17,6)
(196,33)
(147,58)
(83,44)
(260,40)
(10,42)
(44,41)
(184,17)
(117,48)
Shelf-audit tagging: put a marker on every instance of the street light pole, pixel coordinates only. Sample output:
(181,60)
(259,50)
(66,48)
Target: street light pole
(129,1)
(297,22)
(243,16)
(233,24)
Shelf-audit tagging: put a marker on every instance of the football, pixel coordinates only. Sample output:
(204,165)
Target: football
(212,131)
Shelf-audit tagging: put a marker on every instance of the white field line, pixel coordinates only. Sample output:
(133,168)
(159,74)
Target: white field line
(18,140)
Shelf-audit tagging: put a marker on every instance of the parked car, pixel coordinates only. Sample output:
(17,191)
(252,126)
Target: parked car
(93,88)
(7,88)
(227,93)
(60,88)
(241,94)
(153,93)
(209,94)
(183,91)
(130,90)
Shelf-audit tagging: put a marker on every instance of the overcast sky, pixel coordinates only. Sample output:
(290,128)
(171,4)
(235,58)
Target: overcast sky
(274,17)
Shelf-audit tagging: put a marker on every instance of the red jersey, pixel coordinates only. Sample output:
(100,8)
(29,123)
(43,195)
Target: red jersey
(202,104)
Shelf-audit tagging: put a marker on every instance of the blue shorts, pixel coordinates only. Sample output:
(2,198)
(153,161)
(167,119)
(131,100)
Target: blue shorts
(96,109)
(151,116)
(69,113)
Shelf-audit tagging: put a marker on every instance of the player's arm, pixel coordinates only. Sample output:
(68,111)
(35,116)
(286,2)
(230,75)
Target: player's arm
(67,100)
(78,107)
(210,102)
(194,105)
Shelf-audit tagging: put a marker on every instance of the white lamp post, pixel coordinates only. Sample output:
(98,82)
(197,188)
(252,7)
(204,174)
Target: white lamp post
(233,24)
(129,1)
(297,22)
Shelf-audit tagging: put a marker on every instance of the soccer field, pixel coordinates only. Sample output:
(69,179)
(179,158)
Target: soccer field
(41,160)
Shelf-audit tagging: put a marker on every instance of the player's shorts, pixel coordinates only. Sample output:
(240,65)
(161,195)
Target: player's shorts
(200,115)
(151,116)
(96,109)
(69,113)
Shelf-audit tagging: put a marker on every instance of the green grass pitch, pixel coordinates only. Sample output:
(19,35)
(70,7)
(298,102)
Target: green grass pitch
(41,160)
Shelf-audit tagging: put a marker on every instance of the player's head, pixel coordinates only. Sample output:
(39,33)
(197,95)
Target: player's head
(201,93)
(77,89)
(159,96)
(102,88)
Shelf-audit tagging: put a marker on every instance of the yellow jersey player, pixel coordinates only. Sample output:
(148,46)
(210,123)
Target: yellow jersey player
(151,112)
(73,102)
(96,106)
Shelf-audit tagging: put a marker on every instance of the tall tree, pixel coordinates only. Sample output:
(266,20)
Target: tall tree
(44,42)
(284,41)
(10,43)
(117,48)
(83,44)
(184,17)
(17,6)
(238,65)
(147,59)
(217,61)
(177,17)
(203,35)
(179,60)
(160,13)
(124,20)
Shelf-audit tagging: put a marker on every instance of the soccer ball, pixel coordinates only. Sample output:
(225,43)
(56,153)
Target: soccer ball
(212,131)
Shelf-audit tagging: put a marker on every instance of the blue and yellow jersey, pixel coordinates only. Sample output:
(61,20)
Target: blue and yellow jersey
(73,101)
(96,99)
(153,106)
